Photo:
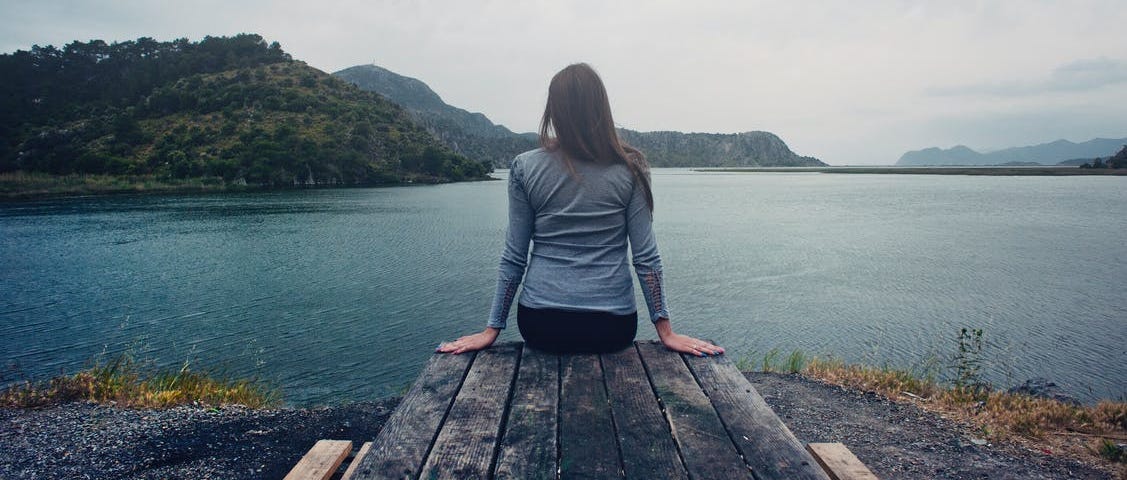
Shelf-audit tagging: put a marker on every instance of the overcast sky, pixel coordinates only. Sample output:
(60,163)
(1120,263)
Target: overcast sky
(850,82)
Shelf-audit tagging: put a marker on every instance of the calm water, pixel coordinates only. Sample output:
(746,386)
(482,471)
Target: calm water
(343,294)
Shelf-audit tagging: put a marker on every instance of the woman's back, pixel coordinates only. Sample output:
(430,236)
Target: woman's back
(581,202)
(579,231)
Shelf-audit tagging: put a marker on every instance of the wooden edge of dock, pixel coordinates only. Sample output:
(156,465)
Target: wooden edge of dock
(327,456)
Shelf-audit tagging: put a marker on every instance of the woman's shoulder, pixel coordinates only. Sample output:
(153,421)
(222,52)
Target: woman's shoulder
(533,160)
(533,155)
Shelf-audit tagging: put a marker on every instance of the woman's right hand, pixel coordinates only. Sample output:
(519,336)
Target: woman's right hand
(470,343)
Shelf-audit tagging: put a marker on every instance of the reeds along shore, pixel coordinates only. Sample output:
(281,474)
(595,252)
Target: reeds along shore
(127,382)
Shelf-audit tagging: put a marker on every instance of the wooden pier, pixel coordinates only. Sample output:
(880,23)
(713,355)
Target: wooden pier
(512,412)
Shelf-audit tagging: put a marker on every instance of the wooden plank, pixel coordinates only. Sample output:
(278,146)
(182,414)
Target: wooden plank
(766,443)
(644,435)
(839,462)
(528,448)
(399,449)
(705,447)
(466,444)
(588,448)
(322,461)
(356,461)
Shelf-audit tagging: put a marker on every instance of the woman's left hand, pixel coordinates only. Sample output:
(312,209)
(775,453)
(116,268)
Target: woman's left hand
(470,343)
(684,343)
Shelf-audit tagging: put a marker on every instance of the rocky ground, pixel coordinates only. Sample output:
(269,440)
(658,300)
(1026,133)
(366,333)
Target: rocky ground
(85,441)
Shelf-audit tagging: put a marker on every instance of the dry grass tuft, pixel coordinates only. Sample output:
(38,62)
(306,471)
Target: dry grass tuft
(123,381)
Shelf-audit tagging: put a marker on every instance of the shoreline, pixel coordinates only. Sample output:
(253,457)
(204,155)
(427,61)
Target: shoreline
(895,439)
(937,170)
(19,186)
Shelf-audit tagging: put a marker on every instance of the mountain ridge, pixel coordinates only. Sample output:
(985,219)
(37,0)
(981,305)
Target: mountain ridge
(474,135)
(1048,153)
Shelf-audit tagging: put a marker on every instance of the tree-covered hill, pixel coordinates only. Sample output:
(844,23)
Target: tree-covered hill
(468,133)
(230,107)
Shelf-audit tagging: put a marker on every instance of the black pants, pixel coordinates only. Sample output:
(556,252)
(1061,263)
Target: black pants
(561,331)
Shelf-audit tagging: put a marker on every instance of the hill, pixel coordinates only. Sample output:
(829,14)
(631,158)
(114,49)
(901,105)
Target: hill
(1050,153)
(469,133)
(228,107)
(747,149)
(474,135)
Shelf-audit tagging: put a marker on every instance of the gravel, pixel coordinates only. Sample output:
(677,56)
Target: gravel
(88,441)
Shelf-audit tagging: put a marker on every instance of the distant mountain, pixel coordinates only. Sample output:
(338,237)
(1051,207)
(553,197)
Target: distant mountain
(473,135)
(1050,153)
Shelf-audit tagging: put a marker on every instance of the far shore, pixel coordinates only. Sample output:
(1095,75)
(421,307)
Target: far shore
(34,185)
(960,170)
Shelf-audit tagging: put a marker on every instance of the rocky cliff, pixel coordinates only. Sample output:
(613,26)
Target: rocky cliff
(746,149)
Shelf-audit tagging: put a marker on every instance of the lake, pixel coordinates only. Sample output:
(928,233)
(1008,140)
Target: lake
(342,294)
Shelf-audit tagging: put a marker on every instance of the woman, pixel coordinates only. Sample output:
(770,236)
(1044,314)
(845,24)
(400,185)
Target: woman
(579,199)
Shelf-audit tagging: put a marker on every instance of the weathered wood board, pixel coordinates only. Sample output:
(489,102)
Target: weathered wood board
(401,447)
(529,448)
(768,446)
(322,461)
(839,463)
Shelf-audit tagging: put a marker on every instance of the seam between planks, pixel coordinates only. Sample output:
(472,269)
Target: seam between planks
(727,430)
(445,414)
(664,412)
(613,422)
(492,471)
(559,415)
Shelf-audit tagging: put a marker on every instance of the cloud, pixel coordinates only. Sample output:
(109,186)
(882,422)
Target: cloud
(1077,76)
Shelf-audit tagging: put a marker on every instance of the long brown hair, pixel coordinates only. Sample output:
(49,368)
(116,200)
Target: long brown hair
(578,111)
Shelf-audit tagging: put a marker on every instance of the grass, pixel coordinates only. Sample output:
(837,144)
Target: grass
(1086,432)
(126,382)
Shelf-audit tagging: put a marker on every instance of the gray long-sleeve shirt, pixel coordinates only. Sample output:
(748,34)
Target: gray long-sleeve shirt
(579,224)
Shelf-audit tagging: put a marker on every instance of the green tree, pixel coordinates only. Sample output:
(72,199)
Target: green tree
(1119,160)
